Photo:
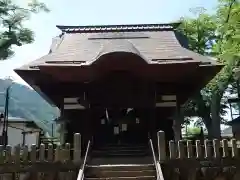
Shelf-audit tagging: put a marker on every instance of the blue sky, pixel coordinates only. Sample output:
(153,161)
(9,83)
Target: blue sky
(94,12)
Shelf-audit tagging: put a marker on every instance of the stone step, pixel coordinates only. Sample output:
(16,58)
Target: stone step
(124,178)
(121,167)
(121,146)
(119,154)
(120,160)
(120,150)
(110,152)
(119,173)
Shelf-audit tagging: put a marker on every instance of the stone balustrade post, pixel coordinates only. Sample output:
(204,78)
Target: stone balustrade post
(161,146)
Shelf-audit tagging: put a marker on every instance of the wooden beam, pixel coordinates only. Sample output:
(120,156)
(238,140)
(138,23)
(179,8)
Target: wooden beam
(169,97)
(73,106)
(71,100)
(166,104)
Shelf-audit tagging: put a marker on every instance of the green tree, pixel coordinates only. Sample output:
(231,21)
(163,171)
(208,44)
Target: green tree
(12,31)
(218,36)
(227,50)
(193,130)
(200,32)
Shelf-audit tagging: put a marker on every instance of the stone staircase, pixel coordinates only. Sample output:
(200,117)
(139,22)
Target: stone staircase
(119,172)
(120,161)
(121,150)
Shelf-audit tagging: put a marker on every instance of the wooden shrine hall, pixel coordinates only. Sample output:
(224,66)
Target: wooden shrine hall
(118,83)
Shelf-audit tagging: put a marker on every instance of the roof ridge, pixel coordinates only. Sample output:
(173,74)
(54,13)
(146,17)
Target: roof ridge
(118,28)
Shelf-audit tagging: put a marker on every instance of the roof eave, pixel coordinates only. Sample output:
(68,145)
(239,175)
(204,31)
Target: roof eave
(117,28)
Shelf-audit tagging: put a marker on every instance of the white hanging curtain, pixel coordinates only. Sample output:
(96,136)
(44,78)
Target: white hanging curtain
(107,117)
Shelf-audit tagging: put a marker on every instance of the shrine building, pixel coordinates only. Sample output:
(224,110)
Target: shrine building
(118,83)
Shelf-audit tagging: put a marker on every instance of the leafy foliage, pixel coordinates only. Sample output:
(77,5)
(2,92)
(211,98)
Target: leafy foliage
(12,30)
(215,35)
(200,33)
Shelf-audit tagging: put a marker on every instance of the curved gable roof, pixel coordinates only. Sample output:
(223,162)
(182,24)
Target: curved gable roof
(81,45)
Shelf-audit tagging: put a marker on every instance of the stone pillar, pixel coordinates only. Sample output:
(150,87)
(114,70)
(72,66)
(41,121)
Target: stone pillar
(161,146)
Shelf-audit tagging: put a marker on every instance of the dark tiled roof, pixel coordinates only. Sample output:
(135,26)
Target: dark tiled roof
(155,44)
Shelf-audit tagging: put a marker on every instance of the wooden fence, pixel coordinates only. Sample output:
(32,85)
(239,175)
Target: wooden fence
(210,159)
(41,163)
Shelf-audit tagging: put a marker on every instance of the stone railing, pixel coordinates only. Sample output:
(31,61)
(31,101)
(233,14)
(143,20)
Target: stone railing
(210,159)
(43,162)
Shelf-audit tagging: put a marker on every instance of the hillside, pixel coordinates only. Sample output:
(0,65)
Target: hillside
(26,103)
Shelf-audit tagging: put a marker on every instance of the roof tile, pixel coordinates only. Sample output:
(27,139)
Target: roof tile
(161,44)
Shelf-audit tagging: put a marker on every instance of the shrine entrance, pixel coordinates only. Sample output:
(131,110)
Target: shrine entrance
(118,101)
(122,127)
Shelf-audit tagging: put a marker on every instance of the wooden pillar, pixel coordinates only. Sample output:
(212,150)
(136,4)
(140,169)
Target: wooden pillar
(153,127)
(63,132)
(90,118)
(63,128)
(177,129)
(177,123)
